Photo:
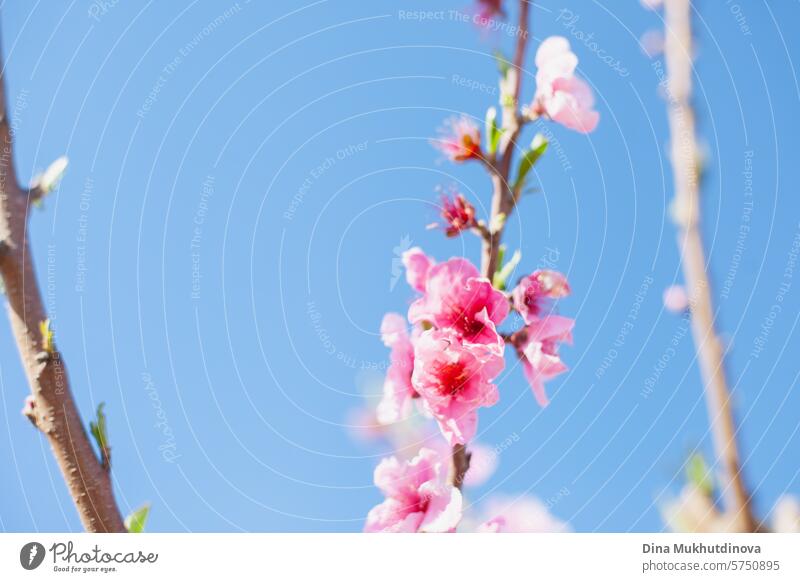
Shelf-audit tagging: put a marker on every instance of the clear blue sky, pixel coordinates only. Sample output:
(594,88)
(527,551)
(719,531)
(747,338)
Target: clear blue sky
(198,124)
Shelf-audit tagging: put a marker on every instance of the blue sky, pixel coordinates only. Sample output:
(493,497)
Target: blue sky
(219,255)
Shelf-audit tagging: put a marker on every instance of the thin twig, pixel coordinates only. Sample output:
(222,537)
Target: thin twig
(53,409)
(686,213)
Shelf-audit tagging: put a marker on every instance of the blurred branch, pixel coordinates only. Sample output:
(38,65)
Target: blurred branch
(51,407)
(686,214)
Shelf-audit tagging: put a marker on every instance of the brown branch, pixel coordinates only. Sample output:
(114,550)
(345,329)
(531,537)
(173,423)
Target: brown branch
(686,213)
(502,197)
(51,408)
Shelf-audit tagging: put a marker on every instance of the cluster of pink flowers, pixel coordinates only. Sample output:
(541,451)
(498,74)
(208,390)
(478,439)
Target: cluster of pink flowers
(451,358)
(448,352)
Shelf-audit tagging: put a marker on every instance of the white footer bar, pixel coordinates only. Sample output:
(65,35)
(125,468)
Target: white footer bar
(378,558)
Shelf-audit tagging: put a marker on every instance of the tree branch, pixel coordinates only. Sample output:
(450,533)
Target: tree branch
(686,213)
(502,197)
(51,407)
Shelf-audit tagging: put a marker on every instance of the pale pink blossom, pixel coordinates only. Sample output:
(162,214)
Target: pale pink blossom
(523,514)
(418,498)
(532,292)
(786,515)
(397,389)
(417,265)
(675,299)
(363,425)
(564,97)
(459,139)
(458,298)
(454,379)
(540,359)
(652,42)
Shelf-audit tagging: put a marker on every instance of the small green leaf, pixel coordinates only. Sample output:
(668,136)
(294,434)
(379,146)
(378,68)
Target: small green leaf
(493,131)
(501,256)
(503,64)
(134,523)
(48,180)
(502,274)
(698,473)
(529,159)
(98,430)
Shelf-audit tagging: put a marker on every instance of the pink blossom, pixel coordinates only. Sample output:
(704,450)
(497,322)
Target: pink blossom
(454,379)
(417,497)
(565,98)
(524,514)
(459,139)
(417,265)
(532,291)
(652,42)
(363,425)
(458,298)
(397,389)
(675,299)
(540,359)
(488,9)
(458,214)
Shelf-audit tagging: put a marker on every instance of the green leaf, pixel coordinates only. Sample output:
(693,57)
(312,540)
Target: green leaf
(501,256)
(503,64)
(98,430)
(529,159)
(134,523)
(493,131)
(501,276)
(698,473)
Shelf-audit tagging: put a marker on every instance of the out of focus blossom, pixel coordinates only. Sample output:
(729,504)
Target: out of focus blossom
(397,389)
(459,139)
(482,465)
(508,514)
(694,512)
(564,97)
(675,299)
(418,498)
(652,43)
(490,8)
(652,4)
(786,515)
